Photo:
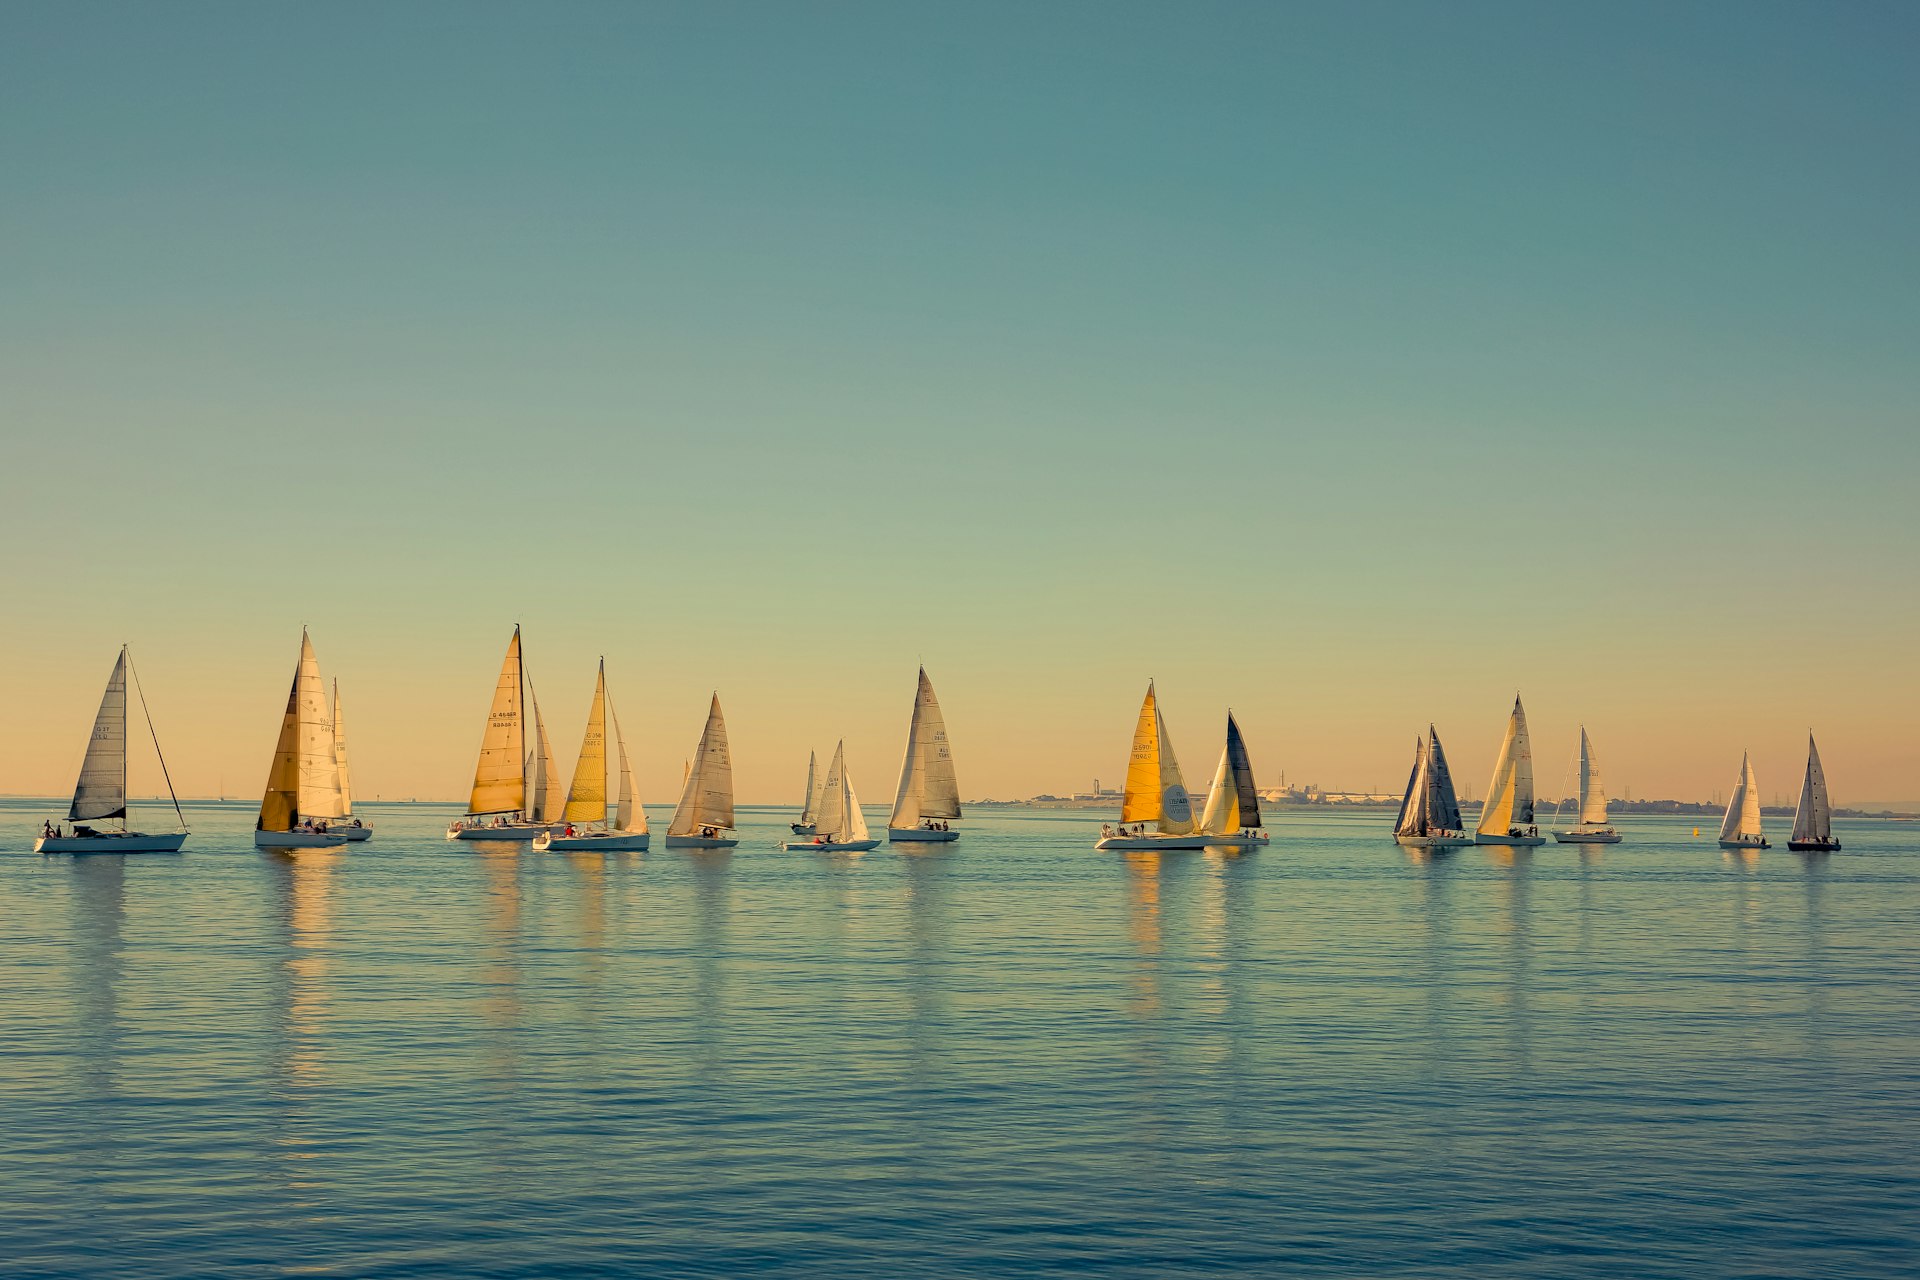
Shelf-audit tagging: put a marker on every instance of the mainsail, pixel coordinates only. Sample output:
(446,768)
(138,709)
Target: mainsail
(1743,807)
(1443,806)
(631,816)
(1413,805)
(1510,794)
(1154,792)
(500,779)
(928,788)
(303,782)
(340,753)
(543,779)
(1593,794)
(101,791)
(587,796)
(1233,802)
(707,798)
(1813,820)
(810,801)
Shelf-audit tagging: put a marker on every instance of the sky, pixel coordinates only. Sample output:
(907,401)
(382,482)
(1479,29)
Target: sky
(1349,365)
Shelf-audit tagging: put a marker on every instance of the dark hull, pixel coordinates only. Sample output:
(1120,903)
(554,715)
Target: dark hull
(1814,846)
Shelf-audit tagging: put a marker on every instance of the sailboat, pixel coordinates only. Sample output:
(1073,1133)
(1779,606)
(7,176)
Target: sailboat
(303,786)
(101,790)
(1593,827)
(1740,829)
(810,806)
(1507,816)
(705,812)
(1813,820)
(509,782)
(1430,812)
(587,796)
(1231,818)
(350,827)
(841,827)
(1155,796)
(929,795)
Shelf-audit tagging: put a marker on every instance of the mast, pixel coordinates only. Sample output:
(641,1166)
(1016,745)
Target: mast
(706,799)
(155,735)
(587,795)
(806,798)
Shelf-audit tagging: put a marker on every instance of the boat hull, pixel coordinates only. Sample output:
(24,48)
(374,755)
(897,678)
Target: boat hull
(596,842)
(1745,844)
(512,831)
(802,829)
(131,842)
(830,846)
(1136,844)
(701,842)
(297,840)
(1514,842)
(354,834)
(1586,837)
(914,835)
(1433,842)
(1814,846)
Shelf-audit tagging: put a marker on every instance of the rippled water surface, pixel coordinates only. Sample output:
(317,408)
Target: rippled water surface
(1009,1056)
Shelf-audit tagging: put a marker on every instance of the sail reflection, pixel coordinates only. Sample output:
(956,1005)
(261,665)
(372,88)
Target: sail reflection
(1518,863)
(712,907)
(500,1007)
(99,910)
(1143,928)
(304,880)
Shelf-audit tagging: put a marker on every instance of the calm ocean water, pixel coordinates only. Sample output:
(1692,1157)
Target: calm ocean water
(1012,1056)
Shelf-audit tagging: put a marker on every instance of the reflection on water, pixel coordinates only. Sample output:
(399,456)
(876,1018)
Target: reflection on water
(712,869)
(1143,927)
(499,976)
(1517,863)
(99,912)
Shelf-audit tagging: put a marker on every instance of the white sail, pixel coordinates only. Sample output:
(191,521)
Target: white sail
(1510,793)
(1233,802)
(340,754)
(706,800)
(500,778)
(1413,805)
(319,795)
(1176,806)
(831,815)
(631,816)
(1443,805)
(856,821)
(928,787)
(101,790)
(1743,807)
(810,799)
(1813,819)
(544,800)
(1593,794)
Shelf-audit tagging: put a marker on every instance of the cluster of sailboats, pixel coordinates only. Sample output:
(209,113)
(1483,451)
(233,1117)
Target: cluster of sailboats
(517,795)
(1430,811)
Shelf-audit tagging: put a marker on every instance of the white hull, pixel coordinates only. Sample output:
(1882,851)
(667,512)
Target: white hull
(702,842)
(1755,843)
(1131,844)
(1516,842)
(131,842)
(1607,836)
(1434,842)
(1238,842)
(914,835)
(594,842)
(351,832)
(296,840)
(512,831)
(829,846)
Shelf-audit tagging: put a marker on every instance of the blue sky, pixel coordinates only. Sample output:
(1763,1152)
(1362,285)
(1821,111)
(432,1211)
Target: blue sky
(1350,364)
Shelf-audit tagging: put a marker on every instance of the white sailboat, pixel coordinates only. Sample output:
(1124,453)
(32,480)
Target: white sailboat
(100,793)
(1507,816)
(1155,796)
(1740,829)
(1231,818)
(704,817)
(929,796)
(810,805)
(1593,827)
(1813,820)
(587,804)
(508,801)
(349,826)
(302,800)
(1430,811)
(841,826)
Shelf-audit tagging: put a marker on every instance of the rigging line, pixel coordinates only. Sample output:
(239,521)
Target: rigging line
(154,734)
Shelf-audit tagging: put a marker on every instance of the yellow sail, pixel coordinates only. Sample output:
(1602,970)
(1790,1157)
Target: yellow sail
(278,806)
(499,781)
(1141,800)
(587,797)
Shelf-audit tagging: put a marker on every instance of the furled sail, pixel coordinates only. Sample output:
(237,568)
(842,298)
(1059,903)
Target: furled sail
(1233,803)
(340,753)
(500,779)
(587,796)
(1813,820)
(707,798)
(928,788)
(1593,794)
(1443,805)
(1743,807)
(1154,791)
(1510,794)
(1413,805)
(101,791)
(543,780)
(631,816)
(810,799)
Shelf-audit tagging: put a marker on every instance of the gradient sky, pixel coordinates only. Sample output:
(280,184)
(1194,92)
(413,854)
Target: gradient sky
(1353,365)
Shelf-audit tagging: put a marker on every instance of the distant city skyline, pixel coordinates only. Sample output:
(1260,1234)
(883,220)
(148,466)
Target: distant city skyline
(1290,355)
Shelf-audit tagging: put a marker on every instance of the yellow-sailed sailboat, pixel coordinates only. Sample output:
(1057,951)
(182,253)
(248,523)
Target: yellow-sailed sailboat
(512,797)
(303,788)
(1155,811)
(587,799)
